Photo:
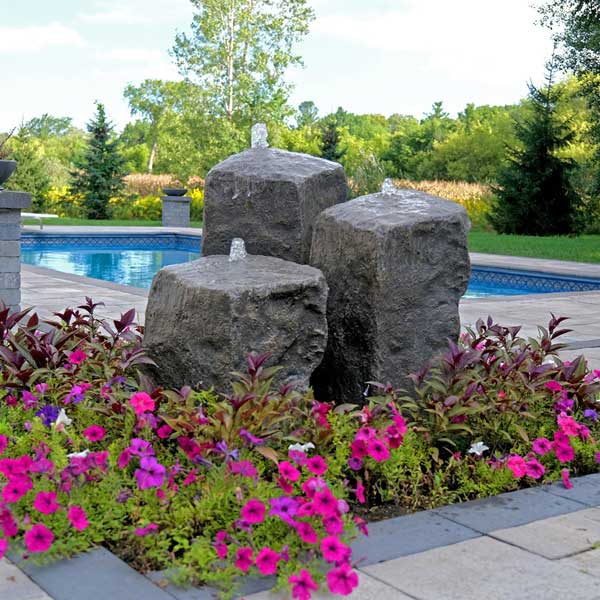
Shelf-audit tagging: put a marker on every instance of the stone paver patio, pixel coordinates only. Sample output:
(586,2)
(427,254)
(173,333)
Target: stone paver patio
(549,557)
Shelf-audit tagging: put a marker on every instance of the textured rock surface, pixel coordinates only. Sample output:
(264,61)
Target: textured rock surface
(270,198)
(205,317)
(397,266)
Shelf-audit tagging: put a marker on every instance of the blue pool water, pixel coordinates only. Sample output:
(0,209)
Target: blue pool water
(135,259)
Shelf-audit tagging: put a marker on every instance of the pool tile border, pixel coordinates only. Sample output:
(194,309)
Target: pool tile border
(98,575)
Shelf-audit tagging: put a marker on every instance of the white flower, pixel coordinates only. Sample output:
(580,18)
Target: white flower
(478,448)
(62,419)
(301,447)
(82,454)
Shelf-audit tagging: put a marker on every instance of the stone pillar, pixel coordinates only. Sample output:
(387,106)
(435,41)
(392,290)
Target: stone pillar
(397,265)
(11,204)
(271,199)
(176,211)
(204,318)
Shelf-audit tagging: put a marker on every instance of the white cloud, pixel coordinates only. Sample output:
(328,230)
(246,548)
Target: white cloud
(137,12)
(29,40)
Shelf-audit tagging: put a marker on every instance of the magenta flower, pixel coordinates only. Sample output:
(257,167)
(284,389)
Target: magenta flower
(38,539)
(541,446)
(333,525)
(400,424)
(266,561)
(316,465)
(45,502)
(308,509)
(16,488)
(141,448)
(307,533)
(564,452)
(342,580)
(244,559)
(313,485)
(378,450)
(355,463)
(124,458)
(359,449)
(150,474)
(333,550)
(94,433)
(565,477)
(77,357)
(325,503)
(285,485)
(554,386)
(517,465)
(302,585)
(253,511)
(10,528)
(164,431)
(284,507)
(534,469)
(360,492)
(244,468)
(568,425)
(141,403)
(222,550)
(78,518)
(77,393)
(250,439)
(288,471)
(3,547)
(144,531)
(29,400)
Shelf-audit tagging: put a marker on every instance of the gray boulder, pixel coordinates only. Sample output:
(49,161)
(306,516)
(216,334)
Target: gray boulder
(270,198)
(205,317)
(397,266)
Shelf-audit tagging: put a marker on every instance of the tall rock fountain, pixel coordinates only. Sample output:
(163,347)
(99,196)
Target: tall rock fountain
(397,265)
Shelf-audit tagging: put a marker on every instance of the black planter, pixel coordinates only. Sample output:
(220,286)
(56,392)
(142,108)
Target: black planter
(7,168)
(174,191)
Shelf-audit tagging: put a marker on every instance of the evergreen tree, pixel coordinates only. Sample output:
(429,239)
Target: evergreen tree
(330,141)
(534,194)
(31,174)
(100,172)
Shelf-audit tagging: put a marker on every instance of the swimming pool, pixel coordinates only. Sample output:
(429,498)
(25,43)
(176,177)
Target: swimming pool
(135,259)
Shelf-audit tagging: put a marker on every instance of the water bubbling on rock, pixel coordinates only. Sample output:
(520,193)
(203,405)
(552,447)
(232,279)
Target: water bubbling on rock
(237,250)
(260,136)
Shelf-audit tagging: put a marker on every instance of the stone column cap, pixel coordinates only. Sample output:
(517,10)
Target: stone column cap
(176,198)
(16,200)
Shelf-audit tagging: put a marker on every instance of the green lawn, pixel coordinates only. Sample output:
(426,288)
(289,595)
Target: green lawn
(104,223)
(585,248)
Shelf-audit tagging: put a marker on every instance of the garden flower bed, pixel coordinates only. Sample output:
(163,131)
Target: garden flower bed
(257,481)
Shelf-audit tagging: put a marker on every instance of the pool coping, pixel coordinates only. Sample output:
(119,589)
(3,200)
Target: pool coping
(99,574)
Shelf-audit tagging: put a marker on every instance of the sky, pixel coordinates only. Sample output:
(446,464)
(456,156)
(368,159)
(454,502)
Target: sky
(368,56)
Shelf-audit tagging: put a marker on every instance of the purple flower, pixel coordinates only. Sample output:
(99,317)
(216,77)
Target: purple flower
(141,448)
(284,507)
(590,413)
(249,438)
(223,449)
(77,393)
(48,414)
(123,496)
(355,463)
(150,474)
(29,400)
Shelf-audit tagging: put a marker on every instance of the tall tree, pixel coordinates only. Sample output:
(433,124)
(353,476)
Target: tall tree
(308,114)
(534,194)
(238,52)
(100,172)
(153,100)
(330,141)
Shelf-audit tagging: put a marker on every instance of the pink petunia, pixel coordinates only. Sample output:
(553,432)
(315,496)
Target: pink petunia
(554,386)
(77,357)
(342,580)
(360,492)
(222,550)
(124,458)
(541,446)
(564,452)
(16,488)
(302,585)
(144,531)
(288,471)
(534,469)
(568,425)
(378,450)
(38,539)
(3,547)
(266,561)
(333,525)
(78,518)
(164,431)
(244,559)
(142,403)
(325,503)
(517,465)
(45,502)
(307,533)
(94,433)
(333,550)
(316,464)
(565,478)
(253,511)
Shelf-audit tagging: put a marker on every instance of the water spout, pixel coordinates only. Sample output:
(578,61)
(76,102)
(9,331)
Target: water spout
(260,136)
(238,250)
(388,187)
